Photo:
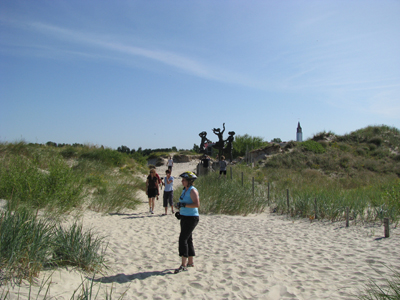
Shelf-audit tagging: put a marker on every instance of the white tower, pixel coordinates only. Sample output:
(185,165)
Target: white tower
(299,136)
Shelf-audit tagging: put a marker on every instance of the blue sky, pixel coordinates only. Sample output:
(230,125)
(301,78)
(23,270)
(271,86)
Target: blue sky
(154,74)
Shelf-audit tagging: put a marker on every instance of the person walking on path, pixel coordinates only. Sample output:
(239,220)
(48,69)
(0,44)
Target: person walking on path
(159,183)
(188,205)
(152,189)
(168,192)
(170,163)
(222,166)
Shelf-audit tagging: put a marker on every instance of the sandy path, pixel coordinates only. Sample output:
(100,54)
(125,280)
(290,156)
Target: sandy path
(255,257)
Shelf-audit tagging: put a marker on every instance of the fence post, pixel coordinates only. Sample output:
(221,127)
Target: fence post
(253,186)
(347,216)
(268,193)
(287,198)
(242,178)
(316,209)
(231,173)
(386,223)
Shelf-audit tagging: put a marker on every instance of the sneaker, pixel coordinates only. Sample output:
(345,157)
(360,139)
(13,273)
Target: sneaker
(152,212)
(181,269)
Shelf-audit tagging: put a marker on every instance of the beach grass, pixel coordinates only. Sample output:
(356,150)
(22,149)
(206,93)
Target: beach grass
(220,195)
(41,181)
(28,244)
(223,195)
(359,171)
(25,244)
(61,180)
(88,289)
(311,194)
(389,290)
(75,247)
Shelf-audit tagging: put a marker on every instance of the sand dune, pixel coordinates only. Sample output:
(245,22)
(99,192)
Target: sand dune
(262,256)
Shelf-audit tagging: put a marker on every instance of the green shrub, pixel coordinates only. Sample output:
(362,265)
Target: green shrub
(360,151)
(380,153)
(69,152)
(321,136)
(377,140)
(312,146)
(140,159)
(344,147)
(158,154)
(243,143)
(345,161)
(324,144)
(106,156)
(289,145)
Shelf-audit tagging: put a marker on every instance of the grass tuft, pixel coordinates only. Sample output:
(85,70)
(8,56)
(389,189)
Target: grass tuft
(389,290)
(28,244)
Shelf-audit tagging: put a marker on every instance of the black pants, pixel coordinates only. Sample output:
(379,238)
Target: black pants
(188,224)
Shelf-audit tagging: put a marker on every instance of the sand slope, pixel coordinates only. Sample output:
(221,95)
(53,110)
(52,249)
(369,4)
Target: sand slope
(255,257)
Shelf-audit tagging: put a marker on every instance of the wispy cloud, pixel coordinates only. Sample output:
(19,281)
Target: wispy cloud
(82,41)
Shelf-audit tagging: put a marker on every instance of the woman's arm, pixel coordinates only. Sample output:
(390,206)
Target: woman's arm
(194,195)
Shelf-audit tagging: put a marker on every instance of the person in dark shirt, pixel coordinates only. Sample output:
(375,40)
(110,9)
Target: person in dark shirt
(152,189)
(205,161)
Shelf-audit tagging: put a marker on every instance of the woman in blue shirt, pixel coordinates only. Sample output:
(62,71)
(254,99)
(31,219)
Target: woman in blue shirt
(188,205)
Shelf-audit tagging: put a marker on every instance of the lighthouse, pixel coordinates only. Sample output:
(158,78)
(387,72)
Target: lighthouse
(299,135)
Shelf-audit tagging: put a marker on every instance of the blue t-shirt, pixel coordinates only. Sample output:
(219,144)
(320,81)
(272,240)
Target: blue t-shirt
(168,187)
(185,198)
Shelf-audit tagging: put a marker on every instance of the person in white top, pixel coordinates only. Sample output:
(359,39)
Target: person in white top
(168,192)
(170,163)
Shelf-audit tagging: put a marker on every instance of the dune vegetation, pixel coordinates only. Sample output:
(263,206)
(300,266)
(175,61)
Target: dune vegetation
(320,177)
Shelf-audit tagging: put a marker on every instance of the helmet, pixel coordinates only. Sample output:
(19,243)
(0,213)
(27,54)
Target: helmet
(188,175)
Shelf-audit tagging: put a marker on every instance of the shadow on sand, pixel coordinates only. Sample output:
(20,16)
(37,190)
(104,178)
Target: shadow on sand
(136,215)
(122,278)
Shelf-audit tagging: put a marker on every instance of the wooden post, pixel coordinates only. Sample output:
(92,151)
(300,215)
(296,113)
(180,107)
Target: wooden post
(253,187)
(268,193)
(316,209)
(231,173)
(386,224)
(287,198)
(242,178)
(347,216)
